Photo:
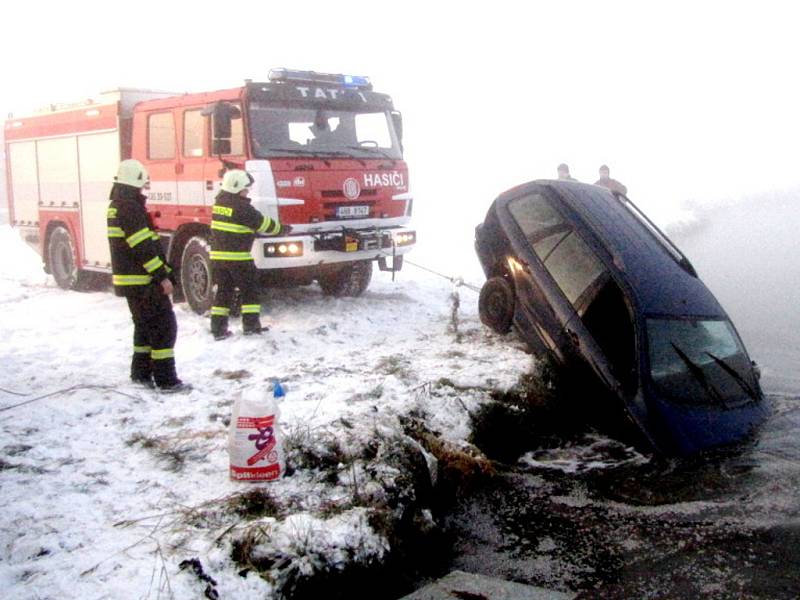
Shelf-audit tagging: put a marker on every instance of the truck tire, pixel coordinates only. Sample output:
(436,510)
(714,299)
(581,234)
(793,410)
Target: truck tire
(196,274)
(61,259)
(496,304)
(350,280)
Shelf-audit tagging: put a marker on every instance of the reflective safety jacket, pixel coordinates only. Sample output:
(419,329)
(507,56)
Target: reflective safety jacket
(137,259)
(234,225)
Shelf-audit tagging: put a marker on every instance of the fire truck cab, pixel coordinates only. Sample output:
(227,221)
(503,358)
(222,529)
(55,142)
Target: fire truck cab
(325,152)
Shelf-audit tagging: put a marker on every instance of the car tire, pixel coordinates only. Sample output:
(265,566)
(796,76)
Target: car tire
(196,274)
(351,280)
(496,304)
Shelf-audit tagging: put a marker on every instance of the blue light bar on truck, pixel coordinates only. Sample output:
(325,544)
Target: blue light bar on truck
(359,82)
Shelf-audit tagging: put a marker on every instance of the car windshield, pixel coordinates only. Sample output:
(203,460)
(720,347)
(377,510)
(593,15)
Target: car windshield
(290,131)
(700,361)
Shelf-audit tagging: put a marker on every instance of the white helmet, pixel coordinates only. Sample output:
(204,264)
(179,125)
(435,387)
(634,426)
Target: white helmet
(132,172)
(236,180)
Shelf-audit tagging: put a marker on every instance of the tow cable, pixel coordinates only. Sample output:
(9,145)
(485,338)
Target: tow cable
(456,281)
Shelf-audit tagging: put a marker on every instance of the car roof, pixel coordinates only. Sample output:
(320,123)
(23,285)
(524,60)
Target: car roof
(660,284)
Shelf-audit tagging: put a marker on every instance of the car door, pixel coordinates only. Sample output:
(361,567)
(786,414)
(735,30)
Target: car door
(581,276)
(535,227)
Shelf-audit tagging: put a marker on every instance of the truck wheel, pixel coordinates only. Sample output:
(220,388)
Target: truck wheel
(350,280)
(196,275)
(61,258)
(496,304)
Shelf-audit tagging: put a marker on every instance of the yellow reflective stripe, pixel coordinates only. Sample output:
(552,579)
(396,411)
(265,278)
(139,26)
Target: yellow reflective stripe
(142,349)
(230,227)
(221,255)
(220,311)
(139,237)
(249,309)
(112,213)
(269,224)
(153,264)
(116,232)
(162,354)
(154,236)
(131,279)
(222,210)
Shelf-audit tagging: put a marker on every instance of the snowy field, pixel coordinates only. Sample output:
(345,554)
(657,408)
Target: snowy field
(108,487)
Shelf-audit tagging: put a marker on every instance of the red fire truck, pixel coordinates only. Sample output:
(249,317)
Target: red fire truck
(325,151)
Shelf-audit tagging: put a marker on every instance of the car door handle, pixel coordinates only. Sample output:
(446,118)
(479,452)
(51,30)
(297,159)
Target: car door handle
(573,337)
(209,184)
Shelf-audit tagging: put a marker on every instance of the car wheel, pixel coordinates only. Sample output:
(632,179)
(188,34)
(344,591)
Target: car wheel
(351,280)
(61,258)
(496,304)
(196,275)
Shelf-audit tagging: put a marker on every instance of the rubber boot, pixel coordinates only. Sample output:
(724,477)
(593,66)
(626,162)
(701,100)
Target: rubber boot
(219,327)
(166,379)
(251,324)
(142,369)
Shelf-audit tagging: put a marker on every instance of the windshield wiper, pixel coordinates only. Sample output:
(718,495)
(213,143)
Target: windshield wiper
(293,151)
(738,378)
(321,153)
(698,374)
(373,149)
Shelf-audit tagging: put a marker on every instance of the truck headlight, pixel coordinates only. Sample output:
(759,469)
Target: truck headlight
(405,239)
(283,249)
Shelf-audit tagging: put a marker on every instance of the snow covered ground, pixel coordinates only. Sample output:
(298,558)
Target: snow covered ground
(108,487)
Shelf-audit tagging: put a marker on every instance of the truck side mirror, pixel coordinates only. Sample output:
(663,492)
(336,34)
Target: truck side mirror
(222,114)
(220,146)
(397,121)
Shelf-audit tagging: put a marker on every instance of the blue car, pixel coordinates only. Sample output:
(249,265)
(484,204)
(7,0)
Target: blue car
(586,278)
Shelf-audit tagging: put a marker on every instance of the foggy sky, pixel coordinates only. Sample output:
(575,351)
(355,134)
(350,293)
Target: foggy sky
(683,100)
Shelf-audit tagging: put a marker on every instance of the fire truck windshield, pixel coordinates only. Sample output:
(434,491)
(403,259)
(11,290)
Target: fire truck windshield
(282,131)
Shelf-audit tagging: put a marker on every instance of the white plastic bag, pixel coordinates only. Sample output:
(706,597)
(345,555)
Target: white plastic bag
(254,441)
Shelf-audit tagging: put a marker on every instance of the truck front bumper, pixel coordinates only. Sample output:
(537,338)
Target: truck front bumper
(311,250)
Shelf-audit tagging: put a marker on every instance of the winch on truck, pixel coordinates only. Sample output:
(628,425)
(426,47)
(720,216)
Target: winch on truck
(325,151)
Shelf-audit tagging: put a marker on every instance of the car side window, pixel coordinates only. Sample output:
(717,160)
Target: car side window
(565,255)
(535,216)
(574,266)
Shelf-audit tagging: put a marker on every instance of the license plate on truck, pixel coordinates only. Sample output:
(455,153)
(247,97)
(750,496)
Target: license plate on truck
(350,212)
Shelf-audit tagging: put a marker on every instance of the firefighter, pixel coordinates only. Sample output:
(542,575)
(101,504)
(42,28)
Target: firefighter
(142,275)
(234,225)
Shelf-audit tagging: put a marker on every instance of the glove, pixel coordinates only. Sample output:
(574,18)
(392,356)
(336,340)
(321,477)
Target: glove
(285,229)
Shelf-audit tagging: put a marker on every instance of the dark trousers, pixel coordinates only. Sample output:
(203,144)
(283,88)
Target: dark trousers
(228,277)
(154,332)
